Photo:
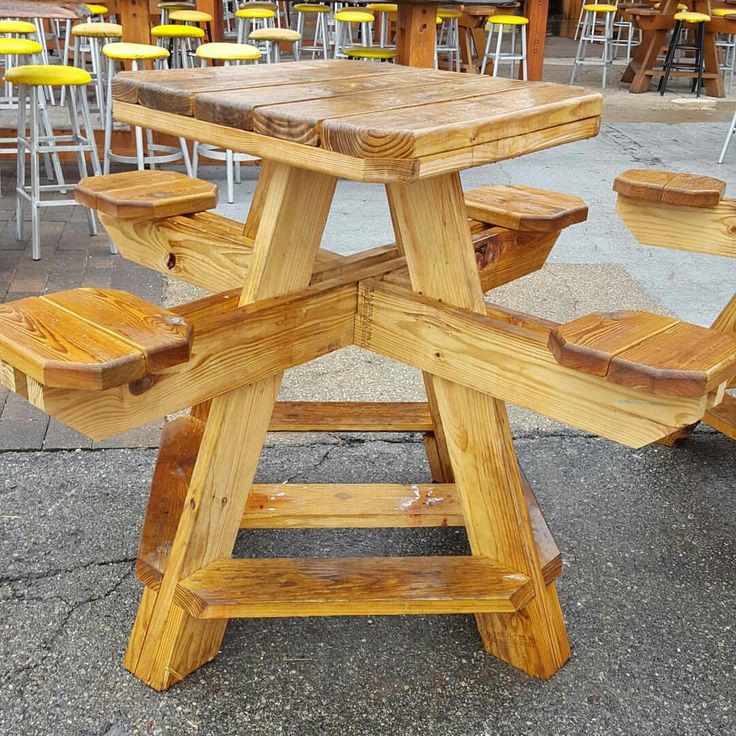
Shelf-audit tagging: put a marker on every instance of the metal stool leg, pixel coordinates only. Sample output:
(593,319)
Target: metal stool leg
(729,135)
(21,160)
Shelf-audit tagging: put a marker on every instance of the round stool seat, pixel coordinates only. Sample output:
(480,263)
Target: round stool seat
(129,51)
(51,75)
(370,52)
(595,8)
(177,32)
(509,20)
(723,12)
(446,13)
(190,16)
(98,30)
(16,26)
(383,7)
(257,12)
(176,6)
(97,9)
(19,46)
(275,34)
(689,17)
(308,8)
(228,52)
(354,16)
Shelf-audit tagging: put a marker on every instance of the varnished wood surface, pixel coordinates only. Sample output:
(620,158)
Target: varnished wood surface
(344,586)
(690,190)
(364,110)
(42,9)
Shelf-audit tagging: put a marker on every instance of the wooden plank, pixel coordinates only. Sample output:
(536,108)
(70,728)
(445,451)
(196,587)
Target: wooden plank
(420,131)
(232,346)
(344,586)
(302,122)
(690,190)
(513,363)
(135,17)
(57,342)
(701,229)
(416,33)
(350,416)
(476,428)
(723,417)
(525,208)
(146,194)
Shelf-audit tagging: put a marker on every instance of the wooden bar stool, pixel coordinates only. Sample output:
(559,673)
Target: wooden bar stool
(673,63)
(178,39)
(501,22)
(345,21)
(320,41)
(258,16)
(229,54)
(35,142)
(87,40)
(272,38)
(153,154)
(593,31)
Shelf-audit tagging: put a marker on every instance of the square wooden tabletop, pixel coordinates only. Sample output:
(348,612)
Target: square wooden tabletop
(364,110)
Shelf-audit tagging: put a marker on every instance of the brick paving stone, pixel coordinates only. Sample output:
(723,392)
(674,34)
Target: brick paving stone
(61,437)
(18,408)
(23,434)
(148,435)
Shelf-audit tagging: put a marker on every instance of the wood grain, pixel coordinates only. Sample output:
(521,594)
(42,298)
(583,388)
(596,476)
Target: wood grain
(351,587)
(691,190)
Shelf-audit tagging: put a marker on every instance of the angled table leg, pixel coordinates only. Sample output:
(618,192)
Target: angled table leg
(487,474)
(166,643)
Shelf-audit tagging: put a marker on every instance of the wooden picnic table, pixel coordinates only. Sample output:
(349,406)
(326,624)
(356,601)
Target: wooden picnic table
(104,361)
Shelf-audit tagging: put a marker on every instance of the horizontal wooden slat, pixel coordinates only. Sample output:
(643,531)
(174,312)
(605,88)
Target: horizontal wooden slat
(268,588)
(350,416)
(723,417)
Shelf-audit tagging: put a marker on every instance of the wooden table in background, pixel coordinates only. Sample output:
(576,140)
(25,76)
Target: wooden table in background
(42,9)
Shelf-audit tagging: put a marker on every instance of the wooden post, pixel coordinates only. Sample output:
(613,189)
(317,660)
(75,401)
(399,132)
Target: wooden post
(487,474)
(215,9)
(536,11)
(416,34)
(166,643)
(135,18)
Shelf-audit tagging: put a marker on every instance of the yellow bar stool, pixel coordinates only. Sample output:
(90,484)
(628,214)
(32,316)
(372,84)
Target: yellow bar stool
(193,17)
(253,15)
(593,31)
(345,22)
(167,8)
(98,12)
(320,41)
(272,38)
(87,40)
(229,54)
(385,12)
(178,39)
(448,38)
(499,23)
(32,140)
(17,28)
(727,43)
(153,154)
(673,62)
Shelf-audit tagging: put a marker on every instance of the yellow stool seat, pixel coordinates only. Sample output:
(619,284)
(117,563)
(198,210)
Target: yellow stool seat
(19,46)
(97,9)
(16,26)
(723,12)
(354,16)
(177,32)
(129,51)
(383,7)
(595,8)
(688,17)
(446,13)
(190,16)
(257,12)
(309,8)
(51,75)
(98,30)
(508,20)
(275,34)
(370,52)
(228,52)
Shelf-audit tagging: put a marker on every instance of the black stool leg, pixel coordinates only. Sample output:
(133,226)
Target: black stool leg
(699,53)
(669,58)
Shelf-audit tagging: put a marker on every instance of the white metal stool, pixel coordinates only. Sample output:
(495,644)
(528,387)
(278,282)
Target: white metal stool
(592,31)
(448,38)
(167,8)
(320,42)
(499,23)
(385,13)
(154,153)
(345,20)
(30,80)
(228,54)
(272,38)
(193,17)
(258,16)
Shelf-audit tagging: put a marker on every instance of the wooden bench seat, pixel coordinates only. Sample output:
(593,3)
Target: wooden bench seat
(691,190)
(525,209)
(649,352)
(90,339)
(146,194)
